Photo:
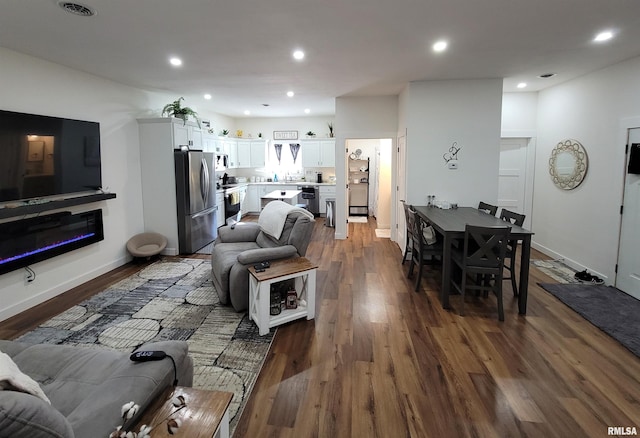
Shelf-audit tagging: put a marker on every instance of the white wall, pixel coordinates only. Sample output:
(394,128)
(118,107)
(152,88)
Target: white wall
(519,114)
(35,86)
(582,225)
(359,117)
(440,113)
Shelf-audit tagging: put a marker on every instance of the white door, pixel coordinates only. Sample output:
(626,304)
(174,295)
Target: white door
(401,193)
(628,276)
(512,187)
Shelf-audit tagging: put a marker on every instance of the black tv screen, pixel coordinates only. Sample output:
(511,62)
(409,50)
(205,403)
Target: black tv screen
(45,156)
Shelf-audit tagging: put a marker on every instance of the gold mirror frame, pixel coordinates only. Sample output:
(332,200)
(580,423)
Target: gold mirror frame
(571,180)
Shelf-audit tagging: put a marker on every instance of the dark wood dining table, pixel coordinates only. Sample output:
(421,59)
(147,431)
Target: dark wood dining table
(451,223)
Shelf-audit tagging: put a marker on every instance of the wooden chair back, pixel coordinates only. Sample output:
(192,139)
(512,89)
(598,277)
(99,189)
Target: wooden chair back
(488,208)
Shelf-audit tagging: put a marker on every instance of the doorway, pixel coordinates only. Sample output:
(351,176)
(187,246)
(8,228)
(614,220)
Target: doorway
(628,272)
(515,180)
(375,177)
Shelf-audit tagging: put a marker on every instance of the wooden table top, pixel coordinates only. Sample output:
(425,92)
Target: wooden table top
(200,417)
(280,268)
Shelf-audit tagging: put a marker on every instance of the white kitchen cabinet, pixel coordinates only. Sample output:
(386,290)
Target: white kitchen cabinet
(252,200)
(220,205)
(187,133)
(244,153)
(210,143)
(230,147)
(258,153)
(318,153)
(326,192)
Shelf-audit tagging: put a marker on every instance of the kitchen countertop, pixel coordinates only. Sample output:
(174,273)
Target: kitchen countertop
(278,183)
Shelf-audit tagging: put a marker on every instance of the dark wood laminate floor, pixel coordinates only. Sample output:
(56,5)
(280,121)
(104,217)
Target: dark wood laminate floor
(381,360)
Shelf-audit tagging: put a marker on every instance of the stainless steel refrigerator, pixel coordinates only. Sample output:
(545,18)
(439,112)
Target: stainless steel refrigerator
(196,198)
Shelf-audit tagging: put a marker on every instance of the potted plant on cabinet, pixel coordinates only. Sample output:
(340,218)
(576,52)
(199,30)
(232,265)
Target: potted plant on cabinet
(311,134)
(330,125)
(224,132)
(175,109)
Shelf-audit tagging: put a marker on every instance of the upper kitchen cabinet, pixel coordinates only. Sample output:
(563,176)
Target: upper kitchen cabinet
(210,143)
(318,153)
(244,153)
(187,133)
(258,153)
(175,132)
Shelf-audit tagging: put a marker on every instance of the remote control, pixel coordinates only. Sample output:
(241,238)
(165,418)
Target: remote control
(259,270)
(146,356)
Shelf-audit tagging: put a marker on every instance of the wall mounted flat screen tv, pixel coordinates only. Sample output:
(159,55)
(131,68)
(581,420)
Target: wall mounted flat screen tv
(43,156)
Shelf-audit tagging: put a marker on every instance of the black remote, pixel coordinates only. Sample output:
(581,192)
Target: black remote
(145,356)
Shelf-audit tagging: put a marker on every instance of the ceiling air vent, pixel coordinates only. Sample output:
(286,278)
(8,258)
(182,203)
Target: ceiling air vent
(77,9)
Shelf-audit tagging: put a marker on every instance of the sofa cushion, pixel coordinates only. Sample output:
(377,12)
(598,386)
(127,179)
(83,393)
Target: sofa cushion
(89,385)
(24,415)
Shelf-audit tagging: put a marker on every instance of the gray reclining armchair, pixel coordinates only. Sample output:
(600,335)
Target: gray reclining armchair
(240,246)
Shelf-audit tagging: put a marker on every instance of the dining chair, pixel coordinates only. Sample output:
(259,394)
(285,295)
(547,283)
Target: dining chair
(488,208)
(512,245)
(422,253)
(482,259)
(409,231)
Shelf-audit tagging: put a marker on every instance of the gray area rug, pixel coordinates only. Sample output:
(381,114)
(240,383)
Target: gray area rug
(170,299)
(606,307)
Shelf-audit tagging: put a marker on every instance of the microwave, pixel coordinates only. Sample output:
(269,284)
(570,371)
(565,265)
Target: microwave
(222,162)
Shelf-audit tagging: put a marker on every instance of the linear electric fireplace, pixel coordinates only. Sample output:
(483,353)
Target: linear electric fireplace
(32,240)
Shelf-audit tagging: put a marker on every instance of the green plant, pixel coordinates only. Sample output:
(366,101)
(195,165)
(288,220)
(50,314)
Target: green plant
(175,109)
(225,132)
(311,134)
(330,125)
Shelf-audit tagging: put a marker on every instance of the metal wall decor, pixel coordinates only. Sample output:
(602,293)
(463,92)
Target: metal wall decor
(568,164)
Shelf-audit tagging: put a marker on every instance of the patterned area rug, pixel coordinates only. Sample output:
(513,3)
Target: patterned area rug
(556,270)
(170,299)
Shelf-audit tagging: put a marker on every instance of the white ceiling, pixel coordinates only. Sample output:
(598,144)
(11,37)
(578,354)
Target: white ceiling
(239,51)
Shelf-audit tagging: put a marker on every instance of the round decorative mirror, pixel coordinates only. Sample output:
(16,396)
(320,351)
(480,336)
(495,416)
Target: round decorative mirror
(568,164)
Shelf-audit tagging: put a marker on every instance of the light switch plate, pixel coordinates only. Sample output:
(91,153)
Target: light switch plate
(453,164)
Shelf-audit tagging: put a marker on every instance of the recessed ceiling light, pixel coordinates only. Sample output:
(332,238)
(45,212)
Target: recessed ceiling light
(522,85)
(290,93)
(207,96)
(77,9)
(440,46)
(298,54)
(247,112)
(307,111)
(546,75)
(176,62)
(603,36)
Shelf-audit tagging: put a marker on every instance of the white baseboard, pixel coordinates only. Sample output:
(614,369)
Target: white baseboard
(567,261)
(60,288)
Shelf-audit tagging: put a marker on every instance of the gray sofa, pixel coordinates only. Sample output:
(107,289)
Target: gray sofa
(245,244)
(86,386)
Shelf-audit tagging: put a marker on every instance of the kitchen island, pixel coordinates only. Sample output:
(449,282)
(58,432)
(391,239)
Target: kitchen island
(288,196)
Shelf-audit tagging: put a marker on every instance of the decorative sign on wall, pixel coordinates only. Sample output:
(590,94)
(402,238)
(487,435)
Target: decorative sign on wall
(285,135)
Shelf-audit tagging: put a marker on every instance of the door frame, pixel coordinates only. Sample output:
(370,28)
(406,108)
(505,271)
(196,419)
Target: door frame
(625,125)
(530,168)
